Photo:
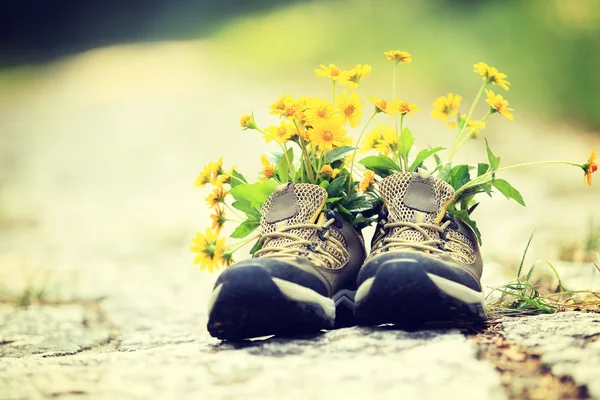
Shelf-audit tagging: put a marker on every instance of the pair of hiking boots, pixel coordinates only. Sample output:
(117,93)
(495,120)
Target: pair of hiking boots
(313,265)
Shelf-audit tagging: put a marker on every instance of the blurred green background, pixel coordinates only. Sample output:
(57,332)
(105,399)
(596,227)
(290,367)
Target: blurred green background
(550,49)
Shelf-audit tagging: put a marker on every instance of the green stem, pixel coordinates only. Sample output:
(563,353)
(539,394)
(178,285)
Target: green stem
(290,165)
(283,148)
(394,82)
(244,242)
(402,159)
(235,177)
(230,209)
(458,137)
(356,149)
(477,97)
(307,163)
(333,95)
(489,175)
(468,136)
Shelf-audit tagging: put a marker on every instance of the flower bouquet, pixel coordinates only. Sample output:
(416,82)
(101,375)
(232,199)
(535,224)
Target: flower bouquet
(315,147)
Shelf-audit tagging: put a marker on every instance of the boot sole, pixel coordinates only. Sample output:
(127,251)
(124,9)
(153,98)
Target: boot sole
(402,293)
(251,303)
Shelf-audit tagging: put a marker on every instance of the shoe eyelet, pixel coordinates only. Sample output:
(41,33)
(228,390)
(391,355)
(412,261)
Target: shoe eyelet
(321,234)
(338,223)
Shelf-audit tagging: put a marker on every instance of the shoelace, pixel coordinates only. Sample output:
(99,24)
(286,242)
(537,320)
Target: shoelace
(429,244)
(296,246)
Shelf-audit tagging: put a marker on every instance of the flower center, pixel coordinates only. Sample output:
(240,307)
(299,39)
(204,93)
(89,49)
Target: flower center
(280,105)
(322,112)
(327,135)
(404,107)
(281,131)
(349,110)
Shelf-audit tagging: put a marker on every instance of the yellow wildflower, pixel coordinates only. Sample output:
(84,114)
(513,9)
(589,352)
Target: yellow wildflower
(498,104)
(355,75)
(247,122)
(491,75)
(209,248)
(589,168)
(282,133)
(470,125)
(350,108)
(403,108)
(367,181)
(216,197)
(382,106)
(371,140)
(293,109)
(218,219)
(280,105)
(332,72)
(319,110)
(268,169)
(224,177)
(327,135)
(390,139)
(446,106)
(335,173)
(326,169)
(204,177)
(398,56)
(227,258)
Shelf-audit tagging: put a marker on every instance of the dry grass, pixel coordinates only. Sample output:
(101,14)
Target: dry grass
(525,295)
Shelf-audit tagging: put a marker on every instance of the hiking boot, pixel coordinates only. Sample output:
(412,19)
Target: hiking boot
(308,256)
(419,271)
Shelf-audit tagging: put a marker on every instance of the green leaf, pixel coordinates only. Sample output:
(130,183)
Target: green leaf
(245,228)
(257,246)
(422,156)
(342,210)
(244,206)
(333,199)
(336,187)
(381,165)
(406,142)
(283,170)
(460,176)
(338,154)
(464,216)
(482,168)
(494,161)
(237,179)
(358,204)
(508,190)
(324,184)
(256,193)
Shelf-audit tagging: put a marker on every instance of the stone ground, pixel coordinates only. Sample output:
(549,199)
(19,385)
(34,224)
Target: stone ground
(97,158)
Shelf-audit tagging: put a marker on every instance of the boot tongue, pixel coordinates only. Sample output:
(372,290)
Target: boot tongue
(292,204)
(416,198)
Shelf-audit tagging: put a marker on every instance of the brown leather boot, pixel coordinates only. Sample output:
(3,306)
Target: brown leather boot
(419,271)
(308,255)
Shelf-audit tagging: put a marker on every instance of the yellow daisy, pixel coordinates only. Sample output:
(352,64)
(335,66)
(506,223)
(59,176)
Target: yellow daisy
(282,133)
(445,106)
(280,105)
(209,249)
(398,56)
(589,168)
(205,176)
(469,125)
(218,219)
(403,108)
(332,72)
(491,75)
(389,140)
(382,106)
(498,104)
(326,169)
(367,181)
(216,197)
(268,169)
(355,75)
(349,108)
(319,110)
(328,135)
(247,122)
